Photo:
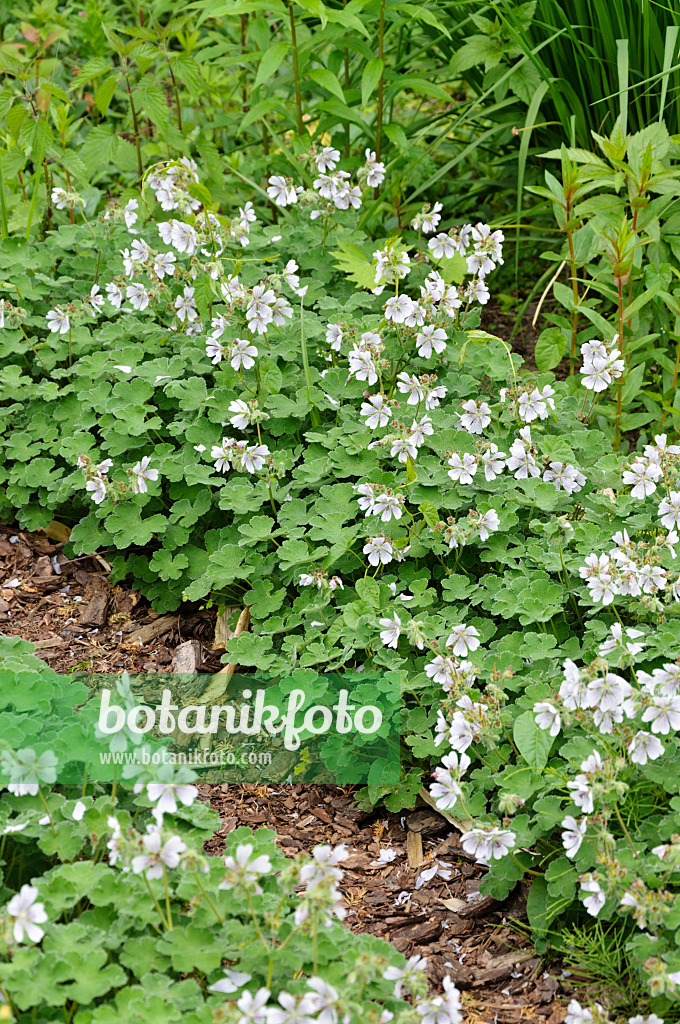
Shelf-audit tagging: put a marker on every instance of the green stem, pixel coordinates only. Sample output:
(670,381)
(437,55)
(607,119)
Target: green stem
(296,68)
(3,208)
(314,414)
(619,392)
(208,900)
(156,903)
(625,830)
(381,82)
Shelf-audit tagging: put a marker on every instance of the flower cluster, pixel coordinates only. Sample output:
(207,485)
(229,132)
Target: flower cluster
(100,487)
(602,364)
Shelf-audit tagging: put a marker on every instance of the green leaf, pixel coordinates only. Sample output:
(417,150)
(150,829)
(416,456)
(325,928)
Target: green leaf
(270,62)
(327,80)
(549,348)
(532,742)
(352,261)
(370,78)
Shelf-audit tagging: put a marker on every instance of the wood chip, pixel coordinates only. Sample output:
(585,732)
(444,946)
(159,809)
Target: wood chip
(414,849)
(94,612)
(156,628)
(223,631)
(53,641)
(453,904)
(188,657)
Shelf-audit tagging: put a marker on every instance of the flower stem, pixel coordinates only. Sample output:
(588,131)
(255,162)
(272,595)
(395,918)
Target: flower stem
(156,903)
(296,68)
(208,900)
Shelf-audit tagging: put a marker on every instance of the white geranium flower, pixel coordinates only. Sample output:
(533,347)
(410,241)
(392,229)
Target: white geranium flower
(142,473)
(463,639)
(160,853)
(596,899)
(166,794)
(379,550)
(476,416)
(391,631)
(243,354)
(58,321)
(547,717)
(27,914)
(244,869)
(573,835)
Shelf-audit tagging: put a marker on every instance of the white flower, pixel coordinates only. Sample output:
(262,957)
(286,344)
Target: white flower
(442,246)
(142,473)
(97,487)
(391,631)
(642,476)
(430,339)
(58,321)
(410,386)
(389,506)
(282,191)
(377,411)
(138,296)
(385,857)
(295,1010)
(644,747)
(27,915)
(115,294)
(242,354)
(573,835)
(669,511)
(232,981)
(578,1014)
(327,159)
(253,1007)
(398,308)
(493,462)
(463,639)
(463,469)
(323,1000)
(378,549)
(404,975)
(241,417)
(94,298)
(487,843)
(243,868)
(159,854)
(362,365)
(165,796)
(616,641)
(664,714)
(596,900)
(547,717)
(334,336)
(581,794)
(253,458)
(475,417)
(563,475)
(129,215)
(487,523)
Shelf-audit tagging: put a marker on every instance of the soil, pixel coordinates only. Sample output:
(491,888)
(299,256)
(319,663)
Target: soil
(80,622)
